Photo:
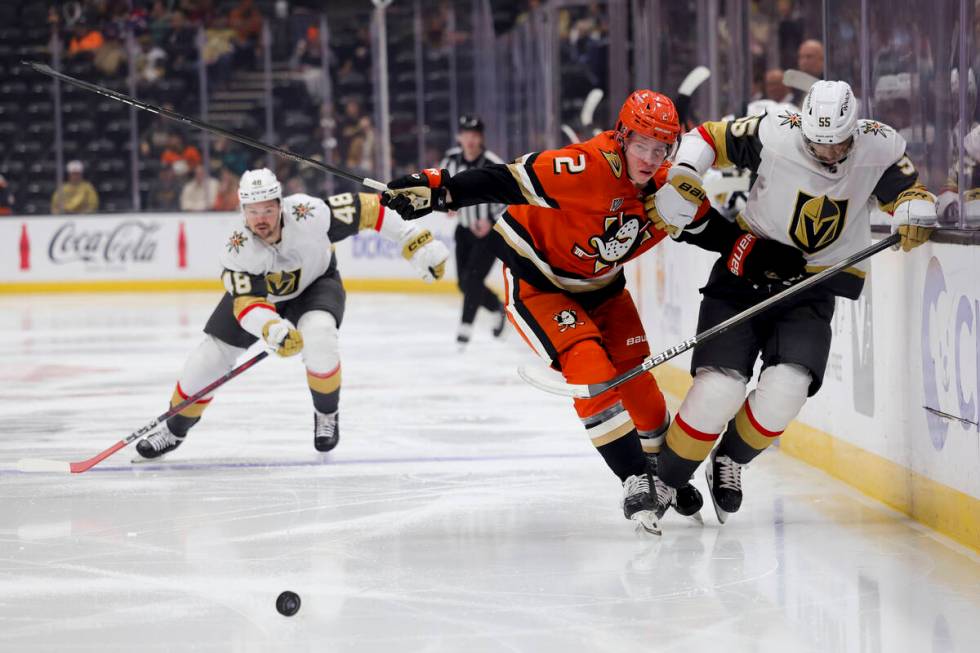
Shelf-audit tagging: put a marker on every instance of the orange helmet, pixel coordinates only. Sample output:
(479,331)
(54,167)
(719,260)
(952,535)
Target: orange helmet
(650,114)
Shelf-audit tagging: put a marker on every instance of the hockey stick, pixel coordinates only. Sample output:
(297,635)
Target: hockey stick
(45,465)
(570,134)
(798,79)
(44,69)
(540,379)
(690,84)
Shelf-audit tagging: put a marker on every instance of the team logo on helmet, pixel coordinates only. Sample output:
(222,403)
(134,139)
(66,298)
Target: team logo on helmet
(792,119)
(817,221)
(567,319)
(302,211)
(875,127)
(623,235)
(236,242)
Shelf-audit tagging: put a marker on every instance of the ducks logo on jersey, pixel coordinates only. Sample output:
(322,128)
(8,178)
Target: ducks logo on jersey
(567,319)
(817,221)
(623,234)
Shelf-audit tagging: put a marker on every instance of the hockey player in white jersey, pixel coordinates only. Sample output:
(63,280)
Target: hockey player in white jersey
(283,286)
(817,170)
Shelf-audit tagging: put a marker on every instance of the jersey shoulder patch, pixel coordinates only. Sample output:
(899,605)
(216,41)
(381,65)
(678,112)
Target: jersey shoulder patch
(241,252)
(302,208)
(877,144)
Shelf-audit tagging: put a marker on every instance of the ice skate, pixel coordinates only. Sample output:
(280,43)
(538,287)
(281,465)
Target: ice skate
(686,500)
(640,502)
(724,484)
(157,444)
(326,430)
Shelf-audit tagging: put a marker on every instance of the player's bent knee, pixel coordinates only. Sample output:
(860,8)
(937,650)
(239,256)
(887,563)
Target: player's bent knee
(780,394)
(210,359)
(321,342)
(714,398)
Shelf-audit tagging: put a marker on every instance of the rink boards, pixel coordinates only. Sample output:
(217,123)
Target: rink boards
(171,251)
(898,412)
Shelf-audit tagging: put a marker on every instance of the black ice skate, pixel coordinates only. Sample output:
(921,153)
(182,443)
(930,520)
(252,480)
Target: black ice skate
(724,484)
(326,430)
(162,441)
(640,502)
(686,500)
(498,329)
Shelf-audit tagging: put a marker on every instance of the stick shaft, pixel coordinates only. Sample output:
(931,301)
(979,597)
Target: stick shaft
(44,69)
(85,465)
(747,314)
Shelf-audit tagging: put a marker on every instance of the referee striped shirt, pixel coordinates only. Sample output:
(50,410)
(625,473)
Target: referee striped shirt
(455,163)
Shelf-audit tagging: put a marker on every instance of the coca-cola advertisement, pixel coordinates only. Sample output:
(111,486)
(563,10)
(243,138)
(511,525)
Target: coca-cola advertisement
(129,242)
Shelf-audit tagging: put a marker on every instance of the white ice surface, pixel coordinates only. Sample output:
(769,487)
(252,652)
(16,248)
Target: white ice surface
(462,511)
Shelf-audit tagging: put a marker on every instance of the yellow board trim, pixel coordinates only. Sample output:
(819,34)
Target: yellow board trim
(948,511)
(179,285)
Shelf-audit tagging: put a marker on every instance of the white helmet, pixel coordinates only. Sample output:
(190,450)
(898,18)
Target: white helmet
(829,117)
(258,186)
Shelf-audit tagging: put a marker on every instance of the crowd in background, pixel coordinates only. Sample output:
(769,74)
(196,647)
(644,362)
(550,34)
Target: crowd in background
(324,90)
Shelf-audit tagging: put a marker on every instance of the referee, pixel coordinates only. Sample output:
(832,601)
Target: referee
(474,258)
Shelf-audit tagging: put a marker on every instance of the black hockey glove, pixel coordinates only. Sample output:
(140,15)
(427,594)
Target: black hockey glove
(762,261)
(418,194)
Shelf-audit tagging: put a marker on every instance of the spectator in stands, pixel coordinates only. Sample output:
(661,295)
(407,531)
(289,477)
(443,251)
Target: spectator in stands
(228,154)
(308,60)
(200,193)
(84,39)
(227,199)
(774,89)
(150,61)
(178,150)
(246,20)
(809,58)
(219,50)
(110,57)
(75,195)
(164,191)
(7,200)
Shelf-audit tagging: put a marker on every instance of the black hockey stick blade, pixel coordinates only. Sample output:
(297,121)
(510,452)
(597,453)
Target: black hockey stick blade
(45,69)
(547,381)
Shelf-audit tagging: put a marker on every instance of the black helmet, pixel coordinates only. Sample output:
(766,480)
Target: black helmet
(470,122)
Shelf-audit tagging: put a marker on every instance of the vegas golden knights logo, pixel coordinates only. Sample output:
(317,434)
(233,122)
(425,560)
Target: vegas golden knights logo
(817,221)
(283,283)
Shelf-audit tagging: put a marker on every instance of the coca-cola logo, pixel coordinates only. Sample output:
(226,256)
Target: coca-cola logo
(131,241)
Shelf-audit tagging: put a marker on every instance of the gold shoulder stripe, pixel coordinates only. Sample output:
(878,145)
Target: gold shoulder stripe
(370,210)
(719,131)
(244,301)
(516,170)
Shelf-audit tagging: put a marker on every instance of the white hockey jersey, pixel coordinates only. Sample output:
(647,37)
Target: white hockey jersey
(303,253)
(821,210)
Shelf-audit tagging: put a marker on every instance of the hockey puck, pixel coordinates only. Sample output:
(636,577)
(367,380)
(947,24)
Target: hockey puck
(288,603)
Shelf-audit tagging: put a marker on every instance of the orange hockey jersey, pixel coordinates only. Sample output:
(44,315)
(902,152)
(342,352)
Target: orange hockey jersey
(581,218)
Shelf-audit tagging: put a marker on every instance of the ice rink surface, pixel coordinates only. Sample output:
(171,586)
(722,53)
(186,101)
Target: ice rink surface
(462,511)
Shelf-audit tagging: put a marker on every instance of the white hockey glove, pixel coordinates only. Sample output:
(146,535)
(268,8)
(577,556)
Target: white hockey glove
(426,254)
(915,217)
(282,336)
(675,204)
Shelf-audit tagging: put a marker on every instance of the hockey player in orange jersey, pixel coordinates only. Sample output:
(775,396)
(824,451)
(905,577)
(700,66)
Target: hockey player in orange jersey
(575,216)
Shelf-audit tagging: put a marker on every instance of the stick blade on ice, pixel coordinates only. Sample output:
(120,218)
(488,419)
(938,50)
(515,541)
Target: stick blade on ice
(43,465)
(547,380)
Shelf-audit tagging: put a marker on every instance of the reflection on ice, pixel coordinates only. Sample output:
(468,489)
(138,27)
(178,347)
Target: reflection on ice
(461,511)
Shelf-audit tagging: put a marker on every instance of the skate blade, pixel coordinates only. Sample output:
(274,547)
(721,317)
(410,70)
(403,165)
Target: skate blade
(647,522)
(140,460)
(696,518)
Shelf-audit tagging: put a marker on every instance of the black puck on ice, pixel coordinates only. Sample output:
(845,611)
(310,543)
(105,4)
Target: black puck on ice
(288,603)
